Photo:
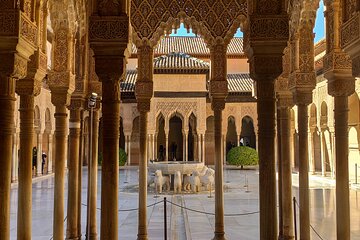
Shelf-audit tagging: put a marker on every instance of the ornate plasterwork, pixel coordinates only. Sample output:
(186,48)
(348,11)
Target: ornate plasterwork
(63,15)
(168,108)
(210,19)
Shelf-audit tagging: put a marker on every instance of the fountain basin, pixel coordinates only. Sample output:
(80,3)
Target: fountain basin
(170,167)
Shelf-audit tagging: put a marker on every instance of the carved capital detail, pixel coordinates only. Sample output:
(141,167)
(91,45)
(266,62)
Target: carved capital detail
(265,66)
(350,32)
(302,97)
(218,89)
(143,105)
(270,27)
(218,104)
(338,87)
(337,61)
(356,66)
(28,87)
(284,99)
(306,80)
(76,103)
(109,28)
(63,80)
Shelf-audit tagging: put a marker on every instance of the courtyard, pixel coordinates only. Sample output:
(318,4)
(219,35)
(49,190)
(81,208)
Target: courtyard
(190,216)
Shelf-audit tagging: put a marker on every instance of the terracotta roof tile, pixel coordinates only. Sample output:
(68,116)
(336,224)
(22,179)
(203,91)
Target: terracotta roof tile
(194,46)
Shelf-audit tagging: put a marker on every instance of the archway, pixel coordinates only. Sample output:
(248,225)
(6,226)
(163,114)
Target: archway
(247,136)
(209,141)
(46,144)
(161,141)
(175,142)
(192,139)
(231,136)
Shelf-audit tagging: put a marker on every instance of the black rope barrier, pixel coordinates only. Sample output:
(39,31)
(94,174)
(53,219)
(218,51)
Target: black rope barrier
(130,209)
(213,214)
(317,234)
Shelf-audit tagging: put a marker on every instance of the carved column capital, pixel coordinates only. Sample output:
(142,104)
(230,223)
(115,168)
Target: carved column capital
(76,103)
(28,87)
(284,100)
(13,65)
(339,87)
(302,97)
(218,104)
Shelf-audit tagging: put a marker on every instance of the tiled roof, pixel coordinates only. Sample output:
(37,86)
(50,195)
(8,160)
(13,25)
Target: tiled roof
(179,61)
(239,82)
(194,46)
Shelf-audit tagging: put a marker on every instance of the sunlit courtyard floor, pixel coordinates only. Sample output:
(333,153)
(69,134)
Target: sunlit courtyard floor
(241,208)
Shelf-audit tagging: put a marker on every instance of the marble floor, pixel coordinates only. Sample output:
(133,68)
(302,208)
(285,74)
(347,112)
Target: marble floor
(190,216)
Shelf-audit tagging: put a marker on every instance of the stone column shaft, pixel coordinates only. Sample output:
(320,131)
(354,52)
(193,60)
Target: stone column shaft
(224,148)
(186,146)
(142,218)
(199,147)
(39,153)
(219,188)
(15,159)
(110,164)
(303,172)
(73,178)
(7,102)
(280,171)
(203,148)
(266,150)
(342,167)
(81,157)
(166,145)
(129,154)
(93,175)
(311,151)
(60,155)
(50,153)
(24,218)
(287,208)
(323,151)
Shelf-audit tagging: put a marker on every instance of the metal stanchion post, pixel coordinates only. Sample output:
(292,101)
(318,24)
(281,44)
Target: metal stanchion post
(165,220)
(295,229)
(91,105)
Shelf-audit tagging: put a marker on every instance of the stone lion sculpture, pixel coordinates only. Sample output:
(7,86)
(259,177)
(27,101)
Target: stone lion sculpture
(177,182)
(195,182)
(186,182)
(161,181)
(208,179)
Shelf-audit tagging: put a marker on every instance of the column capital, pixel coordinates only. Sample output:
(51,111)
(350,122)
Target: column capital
(302,97)
(341,86)
(28,87)
(218,103)
(284,100)
(76,103)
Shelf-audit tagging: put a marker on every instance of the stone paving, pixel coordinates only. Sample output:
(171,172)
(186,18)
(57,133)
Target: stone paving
(185,224)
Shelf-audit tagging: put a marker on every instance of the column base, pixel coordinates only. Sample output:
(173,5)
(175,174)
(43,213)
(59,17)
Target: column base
(73,238)
(93,236)
(142,237)
(219,236)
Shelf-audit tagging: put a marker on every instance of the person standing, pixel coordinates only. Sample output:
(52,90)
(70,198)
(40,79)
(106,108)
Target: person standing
(43,158)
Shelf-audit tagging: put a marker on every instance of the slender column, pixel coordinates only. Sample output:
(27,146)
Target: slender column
(7,101)
(186,146)
(342,167)
(93,175)
(203,147)
(25,174)
(280,172)
(323,151)
(129,154)
(143,93)
(142,218)
(303,172)
(39,153)
(266,150)
(50,153)
(73,166)
(333,152)
(60,153)
(287,209)
(15,159)
(311,150)
(81,157)
(199,147)
(224,148)
(166,145)
(238,140)
(219,193)
(155,146)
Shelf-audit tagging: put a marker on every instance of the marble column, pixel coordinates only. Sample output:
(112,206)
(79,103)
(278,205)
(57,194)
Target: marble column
(285,102)
(50,153)
(279,171)
(218,91)
(7,101)
(15,159)
(238,140)
(39,153)
(304,170)
(311,150)
(186,147)
(61,120)
(24,218)
(342,167)
(224,148)
(73,166)
(199,147)
(333,152)
(323,152)
(81,157)
(167,145)
(155,147)
(203,147)
(93,176)
(143,93)
(129,154)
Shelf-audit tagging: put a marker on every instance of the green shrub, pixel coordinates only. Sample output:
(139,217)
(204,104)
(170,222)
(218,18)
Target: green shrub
(242,156)
(122,157)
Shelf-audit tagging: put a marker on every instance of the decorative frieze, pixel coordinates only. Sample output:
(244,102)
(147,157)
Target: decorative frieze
(109,28)
(269,27)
